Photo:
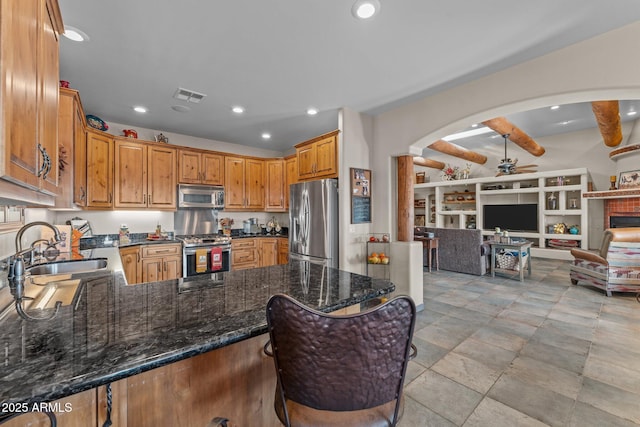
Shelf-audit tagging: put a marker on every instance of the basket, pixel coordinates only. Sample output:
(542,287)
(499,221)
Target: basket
(420,177)
(507,261)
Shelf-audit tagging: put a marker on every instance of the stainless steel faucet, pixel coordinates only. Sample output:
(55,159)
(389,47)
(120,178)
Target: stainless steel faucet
(56,234)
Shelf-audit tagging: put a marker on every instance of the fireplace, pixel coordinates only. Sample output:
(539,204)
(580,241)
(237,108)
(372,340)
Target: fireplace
(621,221)
(622,212)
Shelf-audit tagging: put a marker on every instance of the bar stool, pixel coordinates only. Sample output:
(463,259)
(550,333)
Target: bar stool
(431,245)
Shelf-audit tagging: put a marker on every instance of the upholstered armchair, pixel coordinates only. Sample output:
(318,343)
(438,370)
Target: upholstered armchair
(615,268)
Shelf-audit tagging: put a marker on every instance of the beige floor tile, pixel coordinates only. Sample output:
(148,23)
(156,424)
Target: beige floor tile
(537,402)
(486,353)
(546,375)
(587,416)
(467,371)
(495,414)
(613,400)
(559,357)
(613,374)
(499,338)
(416,415)
(443,396)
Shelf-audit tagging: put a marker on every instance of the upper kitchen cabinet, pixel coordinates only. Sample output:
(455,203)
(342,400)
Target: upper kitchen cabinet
(275,188)
(99,172)
(145,175)
(200,167)
(318,157)
(291,176)
(29,80)
(244,179)
(71,137)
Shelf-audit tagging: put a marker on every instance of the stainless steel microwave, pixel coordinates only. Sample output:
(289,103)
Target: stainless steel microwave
(200,196)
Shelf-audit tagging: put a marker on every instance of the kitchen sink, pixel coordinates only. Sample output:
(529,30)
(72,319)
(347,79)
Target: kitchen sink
(65,267)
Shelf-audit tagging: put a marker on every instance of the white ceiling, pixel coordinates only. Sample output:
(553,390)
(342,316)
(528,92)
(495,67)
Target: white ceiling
(277,58)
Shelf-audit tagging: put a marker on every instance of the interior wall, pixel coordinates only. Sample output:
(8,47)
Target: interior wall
(355,151)
(582,72)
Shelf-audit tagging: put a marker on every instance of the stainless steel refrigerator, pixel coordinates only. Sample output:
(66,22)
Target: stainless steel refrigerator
(313,222)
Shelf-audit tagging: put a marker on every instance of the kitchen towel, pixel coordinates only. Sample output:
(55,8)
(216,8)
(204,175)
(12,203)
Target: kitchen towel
(201,260)
(216,259)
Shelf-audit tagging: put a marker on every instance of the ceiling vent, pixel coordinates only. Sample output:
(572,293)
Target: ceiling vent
(188,95)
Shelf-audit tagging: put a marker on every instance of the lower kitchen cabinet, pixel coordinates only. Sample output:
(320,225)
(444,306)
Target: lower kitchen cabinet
(244,254)
(283,250)
(268,252)
(130,257)
(161,262)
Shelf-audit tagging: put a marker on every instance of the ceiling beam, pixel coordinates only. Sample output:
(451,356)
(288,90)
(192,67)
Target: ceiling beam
(503,126)
(428,163)
(608,117)
(458,151)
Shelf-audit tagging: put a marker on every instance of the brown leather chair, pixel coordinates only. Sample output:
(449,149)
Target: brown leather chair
(615,268)
(340,370)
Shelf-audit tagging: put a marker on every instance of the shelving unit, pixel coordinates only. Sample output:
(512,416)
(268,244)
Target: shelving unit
(378,271)
(569,208)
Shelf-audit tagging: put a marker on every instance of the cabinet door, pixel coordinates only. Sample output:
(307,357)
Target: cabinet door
(48,99)
(19,90)
(162,180)
(291,177)
(189,167)
(130,258)
(306,161)
(268,252)
(283,250)
(326,157)
(79,158)
(212,169)
(172,268)
(275,185)
(254,184)
(99,170)
(130,175)
(152,269)
(234,183)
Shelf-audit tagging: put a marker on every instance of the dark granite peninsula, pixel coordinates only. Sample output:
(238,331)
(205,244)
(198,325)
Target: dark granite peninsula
(177,352)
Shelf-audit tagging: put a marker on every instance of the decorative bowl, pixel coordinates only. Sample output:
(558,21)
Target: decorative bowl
(130,133)
(96,122)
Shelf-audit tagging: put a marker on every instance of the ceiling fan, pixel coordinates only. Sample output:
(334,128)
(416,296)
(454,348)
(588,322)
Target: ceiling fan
(508,167)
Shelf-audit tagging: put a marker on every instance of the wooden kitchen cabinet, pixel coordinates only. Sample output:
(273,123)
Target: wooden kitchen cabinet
(291,176)
(244,183)
(318,157)
(130,257)
(161,262)
(283,250)
(244,254)
(145,175)
(29,30)
(268,251)
(99,173)
(200,167)
(275,185)
(71,136)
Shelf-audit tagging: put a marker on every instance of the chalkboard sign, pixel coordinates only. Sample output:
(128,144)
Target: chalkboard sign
(360,196)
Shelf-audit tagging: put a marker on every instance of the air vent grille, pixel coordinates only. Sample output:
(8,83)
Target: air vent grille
(188,95)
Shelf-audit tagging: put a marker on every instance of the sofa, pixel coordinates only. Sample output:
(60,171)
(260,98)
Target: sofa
(460,250)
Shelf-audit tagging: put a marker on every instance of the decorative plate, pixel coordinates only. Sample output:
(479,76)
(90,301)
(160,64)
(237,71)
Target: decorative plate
(96,122)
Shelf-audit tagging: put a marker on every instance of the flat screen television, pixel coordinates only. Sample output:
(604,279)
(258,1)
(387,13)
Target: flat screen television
(511,217)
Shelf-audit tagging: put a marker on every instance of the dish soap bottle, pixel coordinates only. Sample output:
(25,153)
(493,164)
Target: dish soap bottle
(124,234)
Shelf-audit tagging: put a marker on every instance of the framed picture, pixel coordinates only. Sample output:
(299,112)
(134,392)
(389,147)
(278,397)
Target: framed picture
(360,195)
(420,221)
(629,179)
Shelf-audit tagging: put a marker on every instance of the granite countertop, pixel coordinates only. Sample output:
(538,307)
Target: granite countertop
(109,330)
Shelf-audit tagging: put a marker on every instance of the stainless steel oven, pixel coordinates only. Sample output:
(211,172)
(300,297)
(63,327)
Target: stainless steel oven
(193,247)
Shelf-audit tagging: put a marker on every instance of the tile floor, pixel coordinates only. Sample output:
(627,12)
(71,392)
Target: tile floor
(497,352)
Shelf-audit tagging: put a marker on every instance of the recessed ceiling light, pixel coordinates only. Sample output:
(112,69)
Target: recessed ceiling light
(475,125)
(181,108)
(566,122)
(555,107)
(238,109)
(140,109)
(312,111)
(74,34)
(365,9)
(631,113)
(266,135)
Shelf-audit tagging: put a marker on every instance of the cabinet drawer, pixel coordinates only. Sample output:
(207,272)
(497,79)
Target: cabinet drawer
(161,250)
(243,243)
(244,256)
